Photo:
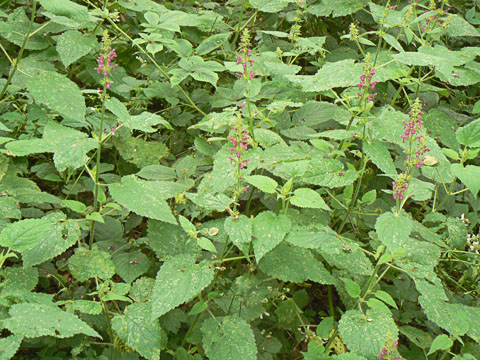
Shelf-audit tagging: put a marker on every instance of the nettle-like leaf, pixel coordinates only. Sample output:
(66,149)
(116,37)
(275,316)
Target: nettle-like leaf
(469,135)
(196,67)
(292,263)
(169,240)
(263,183)
(72,45)
(178,281)
(143,122)
(66,8)
(393,230)
(130,265)
(367,333)
(16,25)
(336,8)
(146,198)
(270,6)
(70,146)
(269,230)
(86,264)
(378,152)
(308,198)
(58,93)
(239,229)
(35,320)
(9,346)
(139,331)
(468,175)
(232,338)
(328,172)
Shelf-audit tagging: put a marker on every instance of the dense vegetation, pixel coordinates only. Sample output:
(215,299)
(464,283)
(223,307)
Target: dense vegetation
(239,180)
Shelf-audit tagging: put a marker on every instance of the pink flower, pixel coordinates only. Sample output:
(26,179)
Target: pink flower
(393,7)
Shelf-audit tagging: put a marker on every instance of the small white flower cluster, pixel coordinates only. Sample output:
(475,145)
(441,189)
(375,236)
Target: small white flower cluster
(473,243)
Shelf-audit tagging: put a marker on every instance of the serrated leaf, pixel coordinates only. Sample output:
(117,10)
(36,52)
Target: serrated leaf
(70,146)
(270,6)
(217,202)
(468,175)
(231,339)
(292,263)
(469,135)
(130,265)
(66,8)
(206,244)
(86,264)
(328,172)
(380,156)
(386,297)
(169,240)
(336,8)
(139,331)
(145,121)
(263,183)
(72,45)
(393,230)
(59,93)
(179,280)
(366,333)
(35,320)
(9,346)
(269,231)
(212,42)
(239,229)
(146,198)
(308,198)
(24,234)
(61,235)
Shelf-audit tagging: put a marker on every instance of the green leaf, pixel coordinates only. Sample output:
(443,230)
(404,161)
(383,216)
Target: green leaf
(130,265)
(10,208)
(328,172)
(139,331)
(380,156)
(269,231)
(145,121)
(441,342)
(9,346)
(146,198)
(35,320)
(440,125)
(239,230)
(86,264)
(393,230)
(337,8)
(217,202)
(66,8)
(352,287)
(292,263)
(61,235)
(469,175)
(308,198)
(263,183)
(58,93)
(179,280)
(231,339)
(366,334)
(212,42)
(169,240)
(206,244)
(74,205)
(197,68)
(385,297)
(72,45)
(70,146)
(458,26)
(469,135)
(25,234)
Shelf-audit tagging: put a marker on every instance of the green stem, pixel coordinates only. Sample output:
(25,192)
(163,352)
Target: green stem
(20,53)
(97,167)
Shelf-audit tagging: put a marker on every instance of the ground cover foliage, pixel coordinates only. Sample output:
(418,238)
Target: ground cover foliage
(262,179)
